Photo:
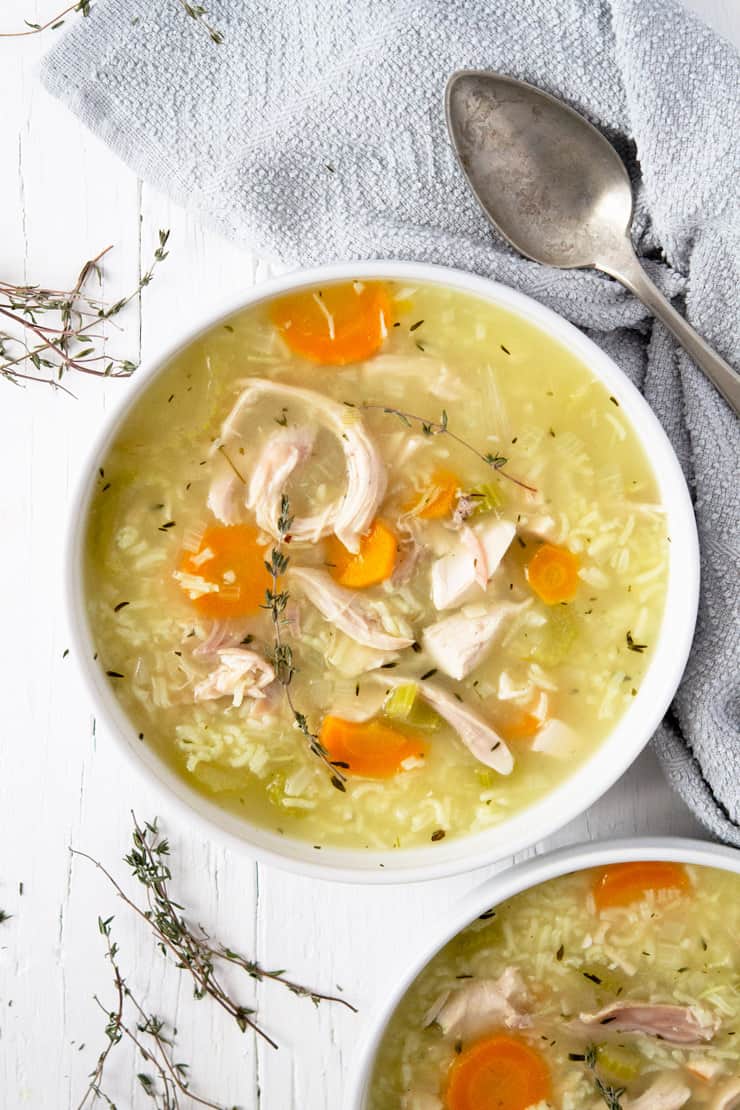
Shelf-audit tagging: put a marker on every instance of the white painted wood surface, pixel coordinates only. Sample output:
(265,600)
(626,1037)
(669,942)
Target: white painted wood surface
(63,196)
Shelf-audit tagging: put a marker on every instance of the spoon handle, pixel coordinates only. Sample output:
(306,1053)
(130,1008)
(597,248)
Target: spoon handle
(626,268)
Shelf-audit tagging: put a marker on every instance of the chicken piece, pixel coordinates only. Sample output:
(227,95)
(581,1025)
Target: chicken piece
(476,734)
(282,453)
(421,1100)
(668,1092)
(727,1097)
(675,1024)
(350,516)
(458,643)
(480,1005)
(472,562)
(410,552)
(222,634)
(241,673)
(555,738)
(223,496)
(346,610)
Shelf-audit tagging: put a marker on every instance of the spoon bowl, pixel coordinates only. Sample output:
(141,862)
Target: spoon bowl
(558,192)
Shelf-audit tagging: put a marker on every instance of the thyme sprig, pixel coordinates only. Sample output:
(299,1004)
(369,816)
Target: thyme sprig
(195,11)
(441,427)
(276,600)
(54,23)
(166,1079)
(191,948)
(40,351)
(198,13)
(610,1095)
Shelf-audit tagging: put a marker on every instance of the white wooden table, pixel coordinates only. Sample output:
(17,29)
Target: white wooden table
(63,197)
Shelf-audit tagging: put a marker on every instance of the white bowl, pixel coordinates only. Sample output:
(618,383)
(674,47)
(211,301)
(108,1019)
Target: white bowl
(567,800)
(502,887)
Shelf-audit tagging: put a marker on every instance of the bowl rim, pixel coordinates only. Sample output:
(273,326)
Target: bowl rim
(506,884)
(548,813)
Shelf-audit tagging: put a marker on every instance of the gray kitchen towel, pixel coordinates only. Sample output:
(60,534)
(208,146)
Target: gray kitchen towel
(315,131)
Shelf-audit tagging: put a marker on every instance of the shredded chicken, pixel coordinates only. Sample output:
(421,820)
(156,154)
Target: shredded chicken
(350,516)
(222,634)
(727,1097)
(410,552)
(481,1004)
(282,453)
(476,734)
(241,673)
(472,562)
(346,610)
(556,738)
(675,1024)
(223,495)
(668,1092)
(458,643)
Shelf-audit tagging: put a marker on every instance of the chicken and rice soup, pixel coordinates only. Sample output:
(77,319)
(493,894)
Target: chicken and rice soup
(613,988)
(374,565)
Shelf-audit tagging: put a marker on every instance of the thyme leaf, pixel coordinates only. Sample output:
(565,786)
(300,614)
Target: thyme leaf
(441,427)
(193,951)
(40,351)
(276,601)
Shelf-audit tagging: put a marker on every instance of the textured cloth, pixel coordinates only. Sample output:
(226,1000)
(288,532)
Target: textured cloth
(315,132)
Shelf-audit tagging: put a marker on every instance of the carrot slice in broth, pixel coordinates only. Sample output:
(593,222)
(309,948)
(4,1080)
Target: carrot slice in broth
(336,324)
(498,1073)
(439,500)
(373,563)
(229,558)
(620,884)
(553,574)
(369,748)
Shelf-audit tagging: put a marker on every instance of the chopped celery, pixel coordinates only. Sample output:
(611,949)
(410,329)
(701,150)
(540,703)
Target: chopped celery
(276,793)
(401,701)
(550,644)
(486,497)
(486,778)
(404,704)
(619,1062)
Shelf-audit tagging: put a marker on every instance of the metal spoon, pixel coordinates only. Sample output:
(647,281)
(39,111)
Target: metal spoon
(558,191)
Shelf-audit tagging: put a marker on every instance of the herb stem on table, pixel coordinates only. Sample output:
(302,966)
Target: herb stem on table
(42,352)
(195,11)
(169,1080)
(190,946)
(55,22)
(276,601)
(441,427)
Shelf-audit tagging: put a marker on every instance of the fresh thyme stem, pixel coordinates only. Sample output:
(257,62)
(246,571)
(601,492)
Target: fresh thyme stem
(47,349)
(168,1074)
(198,12)
(282,654)
(610,1095)
(195,11)
(190,946)
(440,427)
(55,21)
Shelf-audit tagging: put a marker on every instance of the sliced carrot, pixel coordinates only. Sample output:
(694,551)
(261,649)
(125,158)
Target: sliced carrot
(622,883)
(439,499)
(373,563)
(368,747)
(498,1073)
(519,726)
(335,324)
(230,558)
(553,574)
